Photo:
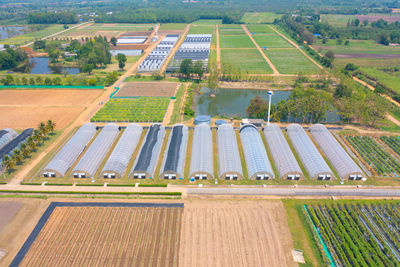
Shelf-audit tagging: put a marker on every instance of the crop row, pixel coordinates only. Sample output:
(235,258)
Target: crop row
(359,234)
(374,154)
(393,142)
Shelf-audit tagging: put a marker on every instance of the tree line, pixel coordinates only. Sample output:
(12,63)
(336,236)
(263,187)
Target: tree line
(52,18)
(14,59)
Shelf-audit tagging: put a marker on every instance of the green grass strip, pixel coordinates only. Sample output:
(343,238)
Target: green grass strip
(27,183)
(91,193)
(59,184)
(89,184)
(153,185)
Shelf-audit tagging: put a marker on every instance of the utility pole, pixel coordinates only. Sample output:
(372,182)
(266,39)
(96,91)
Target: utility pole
(270,94)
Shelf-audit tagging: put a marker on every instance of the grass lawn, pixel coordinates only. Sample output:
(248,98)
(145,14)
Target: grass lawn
(224,31)
(240,41)
(291,61)
(31,36)
(272,41)
(259,28)
(260,17)
(245,60)
(172,26)
(386,79)
(356,47)
(201,29)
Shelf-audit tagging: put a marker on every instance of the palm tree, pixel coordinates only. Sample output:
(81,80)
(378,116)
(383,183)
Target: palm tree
(17,155)
(25,150)
(37,136)
(42,128)
(51,125)
(31,143)
(8,162)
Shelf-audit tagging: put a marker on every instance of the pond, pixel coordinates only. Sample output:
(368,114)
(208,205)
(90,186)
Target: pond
(233,102)
(40,65)
(11,31)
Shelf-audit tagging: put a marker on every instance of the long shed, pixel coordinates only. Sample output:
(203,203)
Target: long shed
(229,163)
(201,162)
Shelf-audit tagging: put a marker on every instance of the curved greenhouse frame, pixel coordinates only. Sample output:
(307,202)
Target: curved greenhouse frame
(285,162)
(94,156)
(66,157)
(312,160)
(118,161)
(6,135)
(341,161)
(258,164)
(230,166)
(201,163)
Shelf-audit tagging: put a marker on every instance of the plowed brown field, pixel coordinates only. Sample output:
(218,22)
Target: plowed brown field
(103,236)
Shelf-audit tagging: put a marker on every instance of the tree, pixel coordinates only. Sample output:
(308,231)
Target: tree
(121,60)
(186,67)
(347,42)
(356,22)
(383,39)
(258,108)
(198,68)
(350,67)
(342,91)
(25,150)
(88,68)
(17,156)
(39,44)
(65,26)
(113,41)
(48,81)
(365,22)
(50,125)
(54,55)
(42,129)
(8,162)
(329,54)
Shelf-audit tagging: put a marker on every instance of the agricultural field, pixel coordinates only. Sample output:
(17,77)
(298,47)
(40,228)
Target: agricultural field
(231,31)
(257,28)
(375,155)
(102,236)
(235,41)
(32,36)
(244,60)
(140,109)
(201,29)
(336,19)
(393,142)
(289,61)
(271,41)
(172,26)
(386,79)
(357,234)
(131,89)
(260,17)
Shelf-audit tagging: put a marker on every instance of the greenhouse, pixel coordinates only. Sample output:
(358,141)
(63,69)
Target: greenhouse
(341,161)
(94,156)
(285,162)
(175,154)
(117,163)
(146,161)
(312,160)
(66,157)
(230,166)
(201,162)
(14,144)
(6,135)
(258,164)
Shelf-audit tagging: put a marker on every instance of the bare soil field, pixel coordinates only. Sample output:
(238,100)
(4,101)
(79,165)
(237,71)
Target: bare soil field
(21,109)
(7,212)
(235,233)
(147,89)
(103,236)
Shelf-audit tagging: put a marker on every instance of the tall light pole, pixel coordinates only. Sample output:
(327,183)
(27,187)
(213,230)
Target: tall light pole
(270,94)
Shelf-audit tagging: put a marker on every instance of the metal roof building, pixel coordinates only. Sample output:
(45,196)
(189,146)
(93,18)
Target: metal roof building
(341,161)
(285,162)
(94,156)
(66,157)
(118,161)
(312,160)
(258,164)
(6,135)
(230,166)
(146,161)
(201,163)
(175,154)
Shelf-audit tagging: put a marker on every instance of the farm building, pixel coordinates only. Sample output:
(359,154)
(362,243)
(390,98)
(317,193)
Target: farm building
(145,163)
(258,164)
(6,136)
(157,57)
(195,47)
(66,157)
(312,160)
(15,143)
(285,162)
(118,161)
(201,162)
(131,40)
(230,166)
(341,161)
(175,154)
(94,156)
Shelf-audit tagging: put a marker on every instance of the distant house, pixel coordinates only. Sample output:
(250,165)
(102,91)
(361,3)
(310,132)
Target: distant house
(68,54)
(255,122)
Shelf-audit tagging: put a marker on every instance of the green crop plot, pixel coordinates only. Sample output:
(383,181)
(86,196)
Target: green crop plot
(381,161)
(240,41)
(224,31)
(173,26)
(207,22)
(32,36)
(393,142)
(356,47)
(271,41)
(291,61)
(201,29)
(259,28)
(388,80)
(259,17)
(337,20)
(141,109)
(248,60)
(118,27)
(357,234)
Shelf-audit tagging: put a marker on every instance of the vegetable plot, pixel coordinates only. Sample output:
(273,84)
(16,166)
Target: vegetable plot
(393,142)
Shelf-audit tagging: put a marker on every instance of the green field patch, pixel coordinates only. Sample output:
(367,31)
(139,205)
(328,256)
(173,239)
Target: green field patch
(172,26)
(337,20)
(201,29)
(32,36)
(240,41)
(117,27)
(141,109)
(368,62)
(247,60)
(230,26)
(388,80)
(257,28)
(207,22)
(291,61)
(356,47)
(260,17)
(271,41)
(231,31)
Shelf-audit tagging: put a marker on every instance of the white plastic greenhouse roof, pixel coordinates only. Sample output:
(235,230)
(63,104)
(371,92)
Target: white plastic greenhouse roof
(308,153)
(120,157)
(66,157)
(341,161)
(256,156)
(283,156)
(228,152)
(6,136)
(175,154)
(202,151)
(97,151)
